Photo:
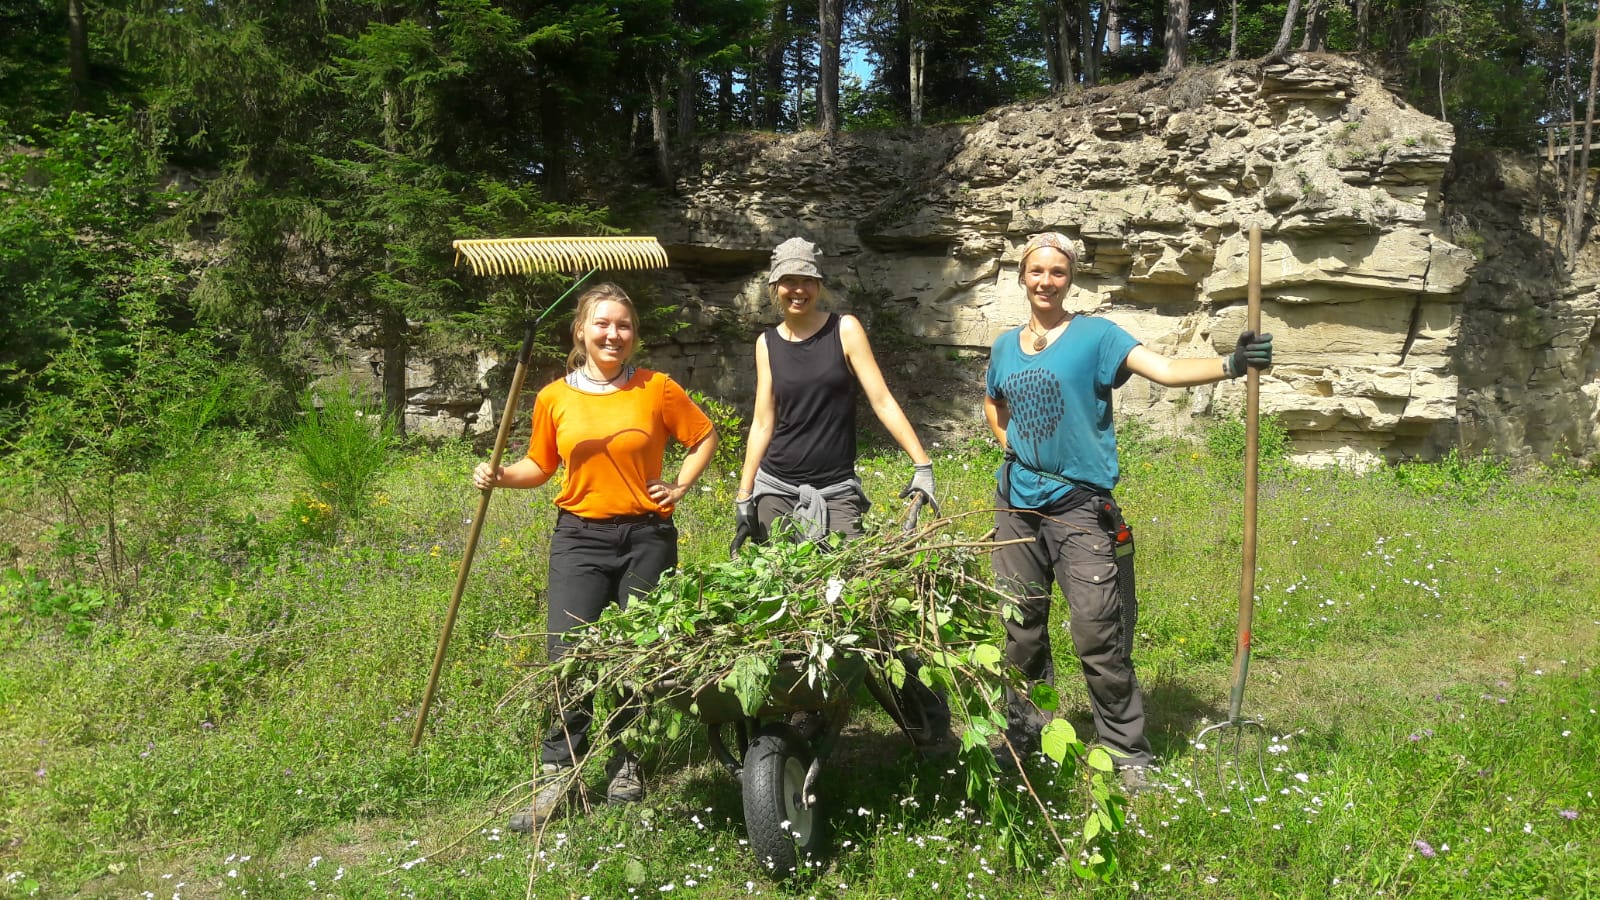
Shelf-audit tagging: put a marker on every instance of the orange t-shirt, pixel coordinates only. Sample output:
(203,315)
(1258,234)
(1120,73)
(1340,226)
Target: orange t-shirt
(612,444)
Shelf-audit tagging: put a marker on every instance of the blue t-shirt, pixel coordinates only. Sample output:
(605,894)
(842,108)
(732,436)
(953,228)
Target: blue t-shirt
(1060,405)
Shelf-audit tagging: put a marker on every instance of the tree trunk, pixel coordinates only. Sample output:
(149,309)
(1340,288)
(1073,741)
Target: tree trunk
(1064,41)
(1094,35)
(1363,25)
(1316,36)
(830,16)
(1052,52)
(1177,35)
(658,124)
(1570,162)
(688,93)
(919,52)
(394,341)
(1233,33)
(773,91)
(1580,202)
(1111,26)
(725,98)
(553,138)
(78,54)
(1286,33)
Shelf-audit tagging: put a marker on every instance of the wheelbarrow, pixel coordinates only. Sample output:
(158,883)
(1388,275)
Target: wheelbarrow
(777,754)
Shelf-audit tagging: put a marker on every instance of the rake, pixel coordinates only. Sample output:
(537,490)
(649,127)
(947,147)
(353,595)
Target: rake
(527,256)
(1238,730)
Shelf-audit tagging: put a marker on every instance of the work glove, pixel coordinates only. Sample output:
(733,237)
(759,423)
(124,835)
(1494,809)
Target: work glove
(744,518)
(1253,351)
(922,487)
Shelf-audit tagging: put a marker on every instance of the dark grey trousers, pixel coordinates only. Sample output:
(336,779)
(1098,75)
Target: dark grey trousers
(1074,551)
(594,564)
(844,514)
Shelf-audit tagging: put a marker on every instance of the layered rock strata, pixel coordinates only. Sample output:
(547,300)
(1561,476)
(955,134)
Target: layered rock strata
(1159,180)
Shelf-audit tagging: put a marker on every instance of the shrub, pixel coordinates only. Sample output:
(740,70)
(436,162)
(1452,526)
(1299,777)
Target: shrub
(342,448)
(1456,476)
(731,430)
(1226,440)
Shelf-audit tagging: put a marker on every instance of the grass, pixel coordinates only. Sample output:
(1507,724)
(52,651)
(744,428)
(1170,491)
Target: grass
(238,723)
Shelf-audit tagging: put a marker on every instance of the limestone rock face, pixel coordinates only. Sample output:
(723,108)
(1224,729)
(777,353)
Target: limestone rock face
(1392,340)
(1160,181)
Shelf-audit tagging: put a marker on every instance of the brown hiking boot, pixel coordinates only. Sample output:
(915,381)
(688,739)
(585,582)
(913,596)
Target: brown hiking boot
(1135,779)
(625,782)
(556,786)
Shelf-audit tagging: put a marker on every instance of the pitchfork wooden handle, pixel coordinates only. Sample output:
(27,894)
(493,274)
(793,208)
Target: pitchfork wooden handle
(1252,440)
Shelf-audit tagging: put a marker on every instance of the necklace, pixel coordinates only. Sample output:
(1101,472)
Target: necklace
(581,374)
(1043,337)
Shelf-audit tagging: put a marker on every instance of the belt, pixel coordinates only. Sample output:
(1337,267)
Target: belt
(637,519)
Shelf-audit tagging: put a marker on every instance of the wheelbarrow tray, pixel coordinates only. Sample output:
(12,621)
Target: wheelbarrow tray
(790,692)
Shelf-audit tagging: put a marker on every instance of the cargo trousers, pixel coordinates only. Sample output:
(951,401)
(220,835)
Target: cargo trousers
(1072,549)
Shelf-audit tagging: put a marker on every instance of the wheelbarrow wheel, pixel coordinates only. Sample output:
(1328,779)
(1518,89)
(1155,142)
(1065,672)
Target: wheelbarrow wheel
(783,829)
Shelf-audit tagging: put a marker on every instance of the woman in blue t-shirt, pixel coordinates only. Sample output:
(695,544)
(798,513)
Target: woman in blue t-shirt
(1048,402)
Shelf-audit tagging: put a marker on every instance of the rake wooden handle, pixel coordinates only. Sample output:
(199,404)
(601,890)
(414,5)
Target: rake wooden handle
(524,356)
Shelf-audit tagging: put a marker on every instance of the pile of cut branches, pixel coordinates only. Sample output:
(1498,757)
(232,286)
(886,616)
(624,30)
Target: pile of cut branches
(789,612)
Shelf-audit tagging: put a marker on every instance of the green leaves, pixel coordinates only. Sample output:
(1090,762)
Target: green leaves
(1059,740)
(791,626)
(341,448)
(750,681)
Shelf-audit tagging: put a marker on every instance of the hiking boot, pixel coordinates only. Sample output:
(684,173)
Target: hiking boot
(1010,760)
(556,786)
(807,723)
(626,782)
(1135,779)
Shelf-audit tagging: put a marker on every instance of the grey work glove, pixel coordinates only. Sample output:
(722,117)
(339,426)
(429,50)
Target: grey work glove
(744,517)
(1253,351)
(922,486)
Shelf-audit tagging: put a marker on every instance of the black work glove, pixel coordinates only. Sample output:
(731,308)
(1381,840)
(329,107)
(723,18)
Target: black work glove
(744,517)
(1253,351)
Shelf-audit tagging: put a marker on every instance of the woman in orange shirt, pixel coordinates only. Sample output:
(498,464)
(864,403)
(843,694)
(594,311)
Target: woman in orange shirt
(606,424)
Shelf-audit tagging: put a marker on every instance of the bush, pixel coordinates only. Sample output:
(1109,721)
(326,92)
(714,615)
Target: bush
(731,429)
(1456,476)
(1226,440)
(342,448)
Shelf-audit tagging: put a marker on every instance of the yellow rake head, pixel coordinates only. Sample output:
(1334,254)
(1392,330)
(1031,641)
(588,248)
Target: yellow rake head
(527,256)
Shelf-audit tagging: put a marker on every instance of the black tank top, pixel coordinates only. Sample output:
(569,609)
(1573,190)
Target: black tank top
(814,438)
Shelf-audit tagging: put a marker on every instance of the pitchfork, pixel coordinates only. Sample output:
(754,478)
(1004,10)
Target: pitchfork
(526,256)
(1238,730)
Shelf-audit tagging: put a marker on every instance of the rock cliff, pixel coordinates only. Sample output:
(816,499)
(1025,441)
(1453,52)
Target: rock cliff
(1160,180)
(1402,329)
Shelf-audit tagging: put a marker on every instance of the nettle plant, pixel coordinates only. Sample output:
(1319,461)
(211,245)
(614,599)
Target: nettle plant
(822,621)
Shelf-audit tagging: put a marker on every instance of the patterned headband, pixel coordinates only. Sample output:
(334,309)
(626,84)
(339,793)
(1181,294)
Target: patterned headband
(1053,239)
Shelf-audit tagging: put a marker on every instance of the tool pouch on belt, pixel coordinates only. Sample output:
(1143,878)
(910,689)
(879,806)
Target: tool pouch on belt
(1114,525)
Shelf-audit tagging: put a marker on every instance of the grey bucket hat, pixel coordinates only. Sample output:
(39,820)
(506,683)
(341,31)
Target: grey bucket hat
(796,256)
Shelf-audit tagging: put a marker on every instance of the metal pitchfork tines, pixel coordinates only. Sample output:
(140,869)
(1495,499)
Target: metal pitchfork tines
(527,256)
(1238,730)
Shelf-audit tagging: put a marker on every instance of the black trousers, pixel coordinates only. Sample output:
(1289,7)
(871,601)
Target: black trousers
(1073,550)
(593,564)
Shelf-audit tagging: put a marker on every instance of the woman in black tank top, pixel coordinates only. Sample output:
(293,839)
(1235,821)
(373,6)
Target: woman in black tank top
(800,460)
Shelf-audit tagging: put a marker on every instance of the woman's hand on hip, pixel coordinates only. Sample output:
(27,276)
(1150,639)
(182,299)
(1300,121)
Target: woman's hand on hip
(666,494)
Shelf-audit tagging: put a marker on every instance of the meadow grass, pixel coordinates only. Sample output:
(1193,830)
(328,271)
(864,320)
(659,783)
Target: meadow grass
(238,722)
